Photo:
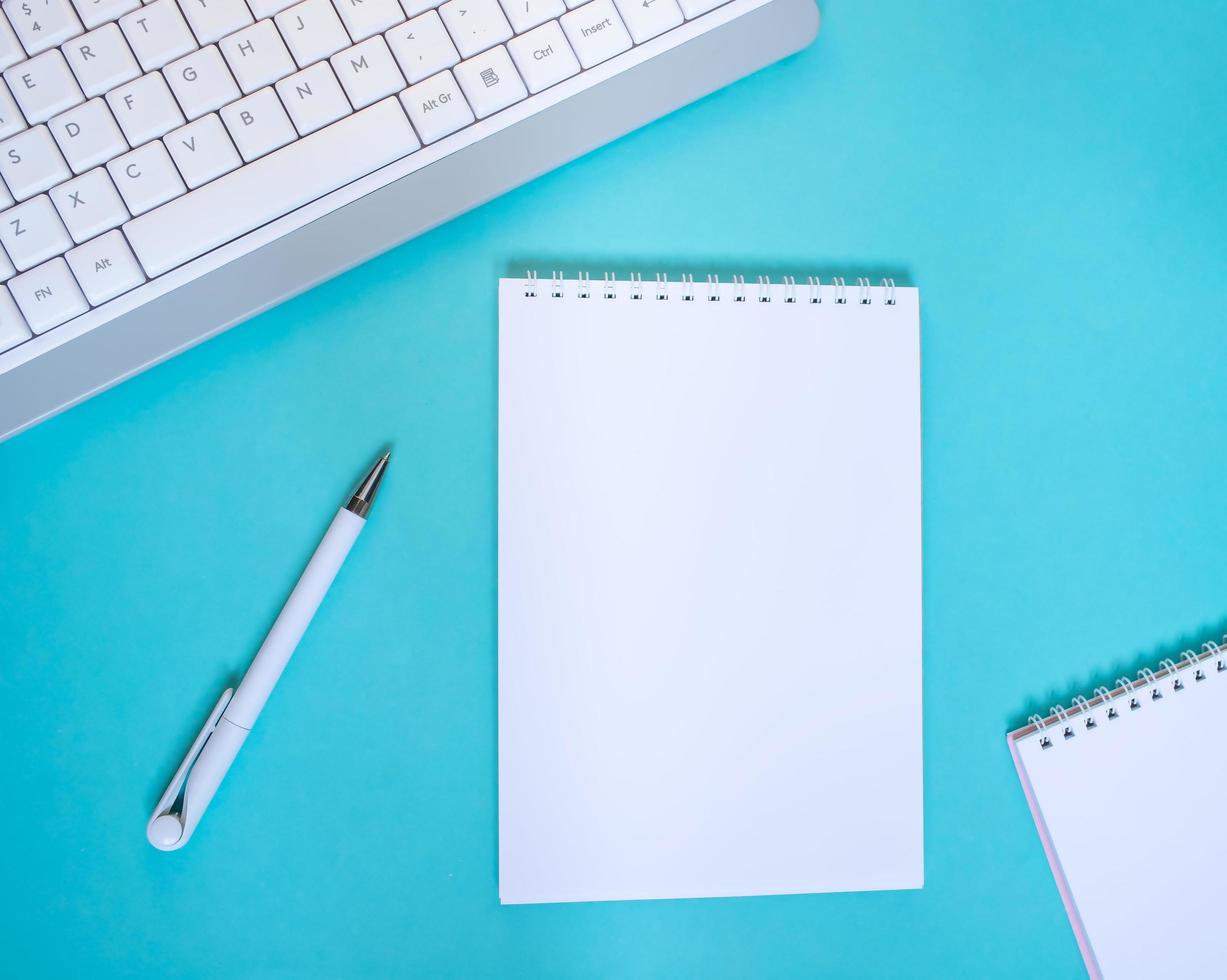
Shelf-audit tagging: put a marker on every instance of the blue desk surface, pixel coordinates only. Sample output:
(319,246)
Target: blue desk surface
(1051,174)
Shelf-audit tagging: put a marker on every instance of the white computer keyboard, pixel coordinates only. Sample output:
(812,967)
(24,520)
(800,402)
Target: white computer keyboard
(136,137)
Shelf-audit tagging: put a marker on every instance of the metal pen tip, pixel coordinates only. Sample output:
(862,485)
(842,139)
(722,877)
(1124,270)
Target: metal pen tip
(364,497)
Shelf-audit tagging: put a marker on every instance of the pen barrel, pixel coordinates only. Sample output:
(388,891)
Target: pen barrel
(208,772)
(295,617)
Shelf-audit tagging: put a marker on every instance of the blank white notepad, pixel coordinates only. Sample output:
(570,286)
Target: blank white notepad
(1127,790)
(709,590)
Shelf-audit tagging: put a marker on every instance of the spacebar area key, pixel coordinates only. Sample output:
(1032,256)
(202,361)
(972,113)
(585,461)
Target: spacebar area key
(270,187)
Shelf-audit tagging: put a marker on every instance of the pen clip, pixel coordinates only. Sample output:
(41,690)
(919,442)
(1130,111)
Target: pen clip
(159,830)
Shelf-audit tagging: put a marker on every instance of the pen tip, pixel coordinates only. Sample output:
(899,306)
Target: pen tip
(362,499)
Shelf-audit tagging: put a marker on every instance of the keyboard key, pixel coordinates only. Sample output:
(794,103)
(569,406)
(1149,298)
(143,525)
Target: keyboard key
(48,295)
(543,57)
(43,87)
(89,205)
(368,72)
(475,25)
(366,18)
(527,14)
(313,98)
(274,185)
(268,8)
(413,8)
(11,120)
(436,107)
(101,60)
(692,8)
(42,24)
(158,34)
(202,151)
(422,47)
(211,20)
(11,50)
(647,18)
(31,163)
(13,329)
(201,82)
(105,268)
(490,81)
(313,31)
(96,12)
(88,135)
(596,32)
(6,267)
(258,124)
(257,56)
(32,232)
(146,177)
(145,109)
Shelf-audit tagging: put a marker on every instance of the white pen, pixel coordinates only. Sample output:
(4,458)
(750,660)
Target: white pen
(192,788)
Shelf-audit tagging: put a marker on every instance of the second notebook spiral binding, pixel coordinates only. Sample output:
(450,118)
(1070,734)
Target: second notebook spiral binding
(1127,696)
(812,290)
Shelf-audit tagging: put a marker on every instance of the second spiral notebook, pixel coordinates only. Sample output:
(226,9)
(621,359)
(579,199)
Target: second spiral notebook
(709,607)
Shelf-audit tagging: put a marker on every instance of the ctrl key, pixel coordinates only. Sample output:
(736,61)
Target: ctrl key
(48,295)
(436,107)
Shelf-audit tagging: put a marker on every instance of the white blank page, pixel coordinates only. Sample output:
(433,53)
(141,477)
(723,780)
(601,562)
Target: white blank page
(709,596)
(1134,810)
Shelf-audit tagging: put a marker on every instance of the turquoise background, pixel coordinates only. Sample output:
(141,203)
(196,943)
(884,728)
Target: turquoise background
(1052,175)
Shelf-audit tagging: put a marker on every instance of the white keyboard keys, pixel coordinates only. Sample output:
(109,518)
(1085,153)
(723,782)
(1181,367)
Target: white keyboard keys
(201,82)
(257,56)
(96,12)
(527,14)
(475,25)
(101,60)
(146,177)
(43,87)
(48,295)
(211,20)
(42,24)
(6,267)
(313,98)
(202,151)
(88,135)
(490,81)
(437,107)
(268,8)
(11,120)
(31,163)
(543,57)
(158,34)
(692,8)
(312,30)
(422,47)
(647,18)
(258,124)
(145,109)
(33,232)
(366,18)
(596,32)
(11,50)
(367,72)
(105,268)
(89,205)
(13,329)
(272,186)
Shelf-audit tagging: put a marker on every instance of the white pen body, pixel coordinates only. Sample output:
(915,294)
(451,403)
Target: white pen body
(265,670)
(224,742)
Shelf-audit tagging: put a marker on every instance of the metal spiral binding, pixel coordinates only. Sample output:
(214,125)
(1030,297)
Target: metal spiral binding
(815,291)
(1173,676)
